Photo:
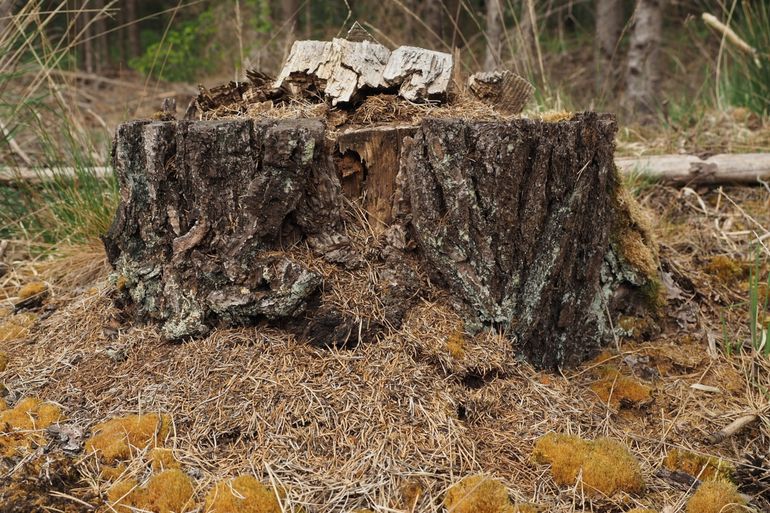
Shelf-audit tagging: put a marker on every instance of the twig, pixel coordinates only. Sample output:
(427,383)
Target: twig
(729,34)
(733,428)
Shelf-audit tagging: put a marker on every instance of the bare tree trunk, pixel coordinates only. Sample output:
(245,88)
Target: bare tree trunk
(527,28)
(132,29)
(494,33)
(643,78)
(88,43)
(609,25)
(434,18)
(101,38)
(6,8)
(289,10)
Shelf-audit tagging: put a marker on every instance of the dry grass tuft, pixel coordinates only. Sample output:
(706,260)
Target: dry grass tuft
(716,497)
(118,438)
(478,494)
(606,466)
(244,494)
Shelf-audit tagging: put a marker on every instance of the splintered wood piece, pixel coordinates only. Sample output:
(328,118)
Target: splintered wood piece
(369,165)
(420,74)
(506,91)
(339,69)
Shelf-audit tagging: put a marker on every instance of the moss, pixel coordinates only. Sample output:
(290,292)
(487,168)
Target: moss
(478,494)
(115,439)
(33,289)
(22,423)
(411,491)
(620,390)
(716,497)
(162,459)
(121,282)
(456,344)
(244,494)
(16,327)
(725,269)
(556,115)
(635,244)
(526,507)
(113,472)
(705,468)
(170,491)
(607,466)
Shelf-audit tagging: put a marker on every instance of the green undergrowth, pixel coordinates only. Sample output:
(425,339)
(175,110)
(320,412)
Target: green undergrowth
(746,74)
(44,131)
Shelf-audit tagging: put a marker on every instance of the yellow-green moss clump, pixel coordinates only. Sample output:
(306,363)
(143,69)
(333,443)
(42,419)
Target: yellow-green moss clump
(161,458)
(478,494)
(705,468)
(725,269)
(555,116)
(526,507)
(244,494)
(456,345)
(170,491)
(115,439)
(33,289)
(634,241)
(620,390)
(716,497)
(16,327)
(22,423)
(607,466)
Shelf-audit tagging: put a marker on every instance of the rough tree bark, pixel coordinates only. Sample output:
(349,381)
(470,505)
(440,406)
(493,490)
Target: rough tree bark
(523,222)
(609,26)
(643,72)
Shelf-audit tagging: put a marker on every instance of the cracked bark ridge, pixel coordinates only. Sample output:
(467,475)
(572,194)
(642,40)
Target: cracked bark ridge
(203,204)
(519,220)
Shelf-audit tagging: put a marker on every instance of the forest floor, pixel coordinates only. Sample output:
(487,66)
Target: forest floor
(392,425)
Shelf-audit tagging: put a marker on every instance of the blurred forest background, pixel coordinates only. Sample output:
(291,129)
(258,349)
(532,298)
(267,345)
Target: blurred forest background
(683,76)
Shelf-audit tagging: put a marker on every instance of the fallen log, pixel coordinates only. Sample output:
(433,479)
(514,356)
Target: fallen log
(737,168)
(723,169)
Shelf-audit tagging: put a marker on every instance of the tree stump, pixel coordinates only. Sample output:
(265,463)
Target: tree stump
(523,223)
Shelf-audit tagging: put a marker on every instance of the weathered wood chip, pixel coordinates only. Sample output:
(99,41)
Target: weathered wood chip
(506,91)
